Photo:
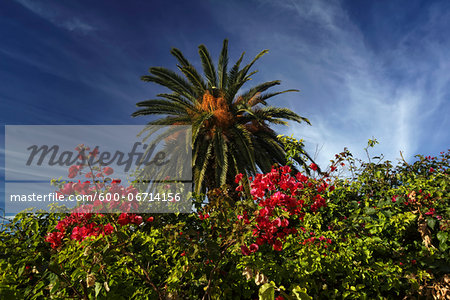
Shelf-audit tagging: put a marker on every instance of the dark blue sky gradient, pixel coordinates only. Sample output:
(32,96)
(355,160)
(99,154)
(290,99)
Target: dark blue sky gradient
(365,68)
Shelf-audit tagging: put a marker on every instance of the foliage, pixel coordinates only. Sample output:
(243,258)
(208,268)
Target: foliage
(381,231)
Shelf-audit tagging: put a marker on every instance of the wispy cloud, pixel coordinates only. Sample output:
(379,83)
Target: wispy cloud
(350,91)
(57,16)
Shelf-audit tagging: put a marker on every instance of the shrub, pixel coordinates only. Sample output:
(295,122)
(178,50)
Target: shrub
(381,231)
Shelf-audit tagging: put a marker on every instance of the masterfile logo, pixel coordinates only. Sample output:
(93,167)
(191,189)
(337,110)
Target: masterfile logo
(145,160)
(68,158)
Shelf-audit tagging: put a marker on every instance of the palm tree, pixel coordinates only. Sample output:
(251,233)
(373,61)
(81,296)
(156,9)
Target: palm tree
(230,130)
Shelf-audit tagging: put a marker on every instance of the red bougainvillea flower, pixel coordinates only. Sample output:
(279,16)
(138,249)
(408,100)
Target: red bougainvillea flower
(94,152)
(277,246)
(279,191)
(253,248)
(263,212)
(123,219)
(54,238)
(276,222)
(82,187)
(108,229)
(82,147)
(137,220)
(67,189)
(73,171)
(260,241)
(203,216)
(430,212)
(245,250)
(238,177)
(108,171)
(313,166)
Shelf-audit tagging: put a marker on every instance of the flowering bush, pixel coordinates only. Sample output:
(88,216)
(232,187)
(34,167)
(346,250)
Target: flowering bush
(380,231)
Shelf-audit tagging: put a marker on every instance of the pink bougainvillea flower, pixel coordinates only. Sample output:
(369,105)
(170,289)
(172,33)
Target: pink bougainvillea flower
(67,189)
(276,222)
(73,171)
(94,152)
(108,171)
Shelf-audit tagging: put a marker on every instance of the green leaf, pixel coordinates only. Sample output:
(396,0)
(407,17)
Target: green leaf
(300,293)
(442,236)
(431,222)
(21,269)
(266,292)
(98,288)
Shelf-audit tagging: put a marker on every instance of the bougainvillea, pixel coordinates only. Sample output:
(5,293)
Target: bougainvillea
(282,199)
(356,230)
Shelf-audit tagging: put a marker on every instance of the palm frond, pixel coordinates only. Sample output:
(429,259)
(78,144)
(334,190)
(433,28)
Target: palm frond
(221,157)
(244,144)
(271,112)
(201,165)
(259,89)
(263,97)
(232,77)
(171,80)
(195,79)
(180,57)
(222,65)
(177,98)
(208,66)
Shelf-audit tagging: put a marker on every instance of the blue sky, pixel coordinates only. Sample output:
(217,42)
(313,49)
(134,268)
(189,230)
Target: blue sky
(365,68)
